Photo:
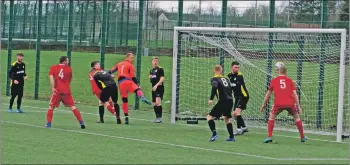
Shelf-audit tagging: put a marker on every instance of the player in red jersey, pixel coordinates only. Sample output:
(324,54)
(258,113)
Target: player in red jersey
(60,79)
(286,98)
(127,82)
(97,92)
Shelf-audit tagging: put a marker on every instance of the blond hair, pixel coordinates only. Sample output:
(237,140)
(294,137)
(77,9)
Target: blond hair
(282,70)
(217,68)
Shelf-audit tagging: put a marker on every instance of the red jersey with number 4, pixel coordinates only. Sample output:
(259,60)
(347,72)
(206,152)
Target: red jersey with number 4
(282,87)
(63,76)
(95,89)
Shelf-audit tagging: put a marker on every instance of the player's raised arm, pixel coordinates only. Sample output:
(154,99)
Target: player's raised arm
(114,69)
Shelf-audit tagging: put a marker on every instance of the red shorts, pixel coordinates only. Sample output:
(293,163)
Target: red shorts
(126,87)
(66,98)
(277,109)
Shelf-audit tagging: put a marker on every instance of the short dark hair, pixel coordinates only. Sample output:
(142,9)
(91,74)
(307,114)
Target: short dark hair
(93,63)
(63,59)
(20,54)
(235,63)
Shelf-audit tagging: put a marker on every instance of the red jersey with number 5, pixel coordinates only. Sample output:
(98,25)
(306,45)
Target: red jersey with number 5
(282,87)
(63,76)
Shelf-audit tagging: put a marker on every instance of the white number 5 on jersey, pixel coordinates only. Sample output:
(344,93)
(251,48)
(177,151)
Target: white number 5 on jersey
(283,84)
(60,74)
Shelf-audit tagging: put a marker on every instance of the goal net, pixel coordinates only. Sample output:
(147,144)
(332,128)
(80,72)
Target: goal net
(315,59)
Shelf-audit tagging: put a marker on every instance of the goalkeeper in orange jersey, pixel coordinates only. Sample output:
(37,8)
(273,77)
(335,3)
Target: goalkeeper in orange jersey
(97,92)
(286,98)
(127,82)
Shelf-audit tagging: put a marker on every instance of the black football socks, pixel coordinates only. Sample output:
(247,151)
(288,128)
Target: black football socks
(211,124)
(230,129)
(101,110)
(240,122)
(117,110)
(155,111)
(11,101)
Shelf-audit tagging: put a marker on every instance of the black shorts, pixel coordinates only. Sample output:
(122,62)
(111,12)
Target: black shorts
(222,108)
(158,93)
(241,102)
(17,90)
(109,92)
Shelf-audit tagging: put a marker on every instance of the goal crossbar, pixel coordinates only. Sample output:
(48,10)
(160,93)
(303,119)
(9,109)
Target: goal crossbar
(266,30)
(341,89)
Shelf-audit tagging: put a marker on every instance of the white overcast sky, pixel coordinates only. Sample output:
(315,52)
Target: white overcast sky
(241,5)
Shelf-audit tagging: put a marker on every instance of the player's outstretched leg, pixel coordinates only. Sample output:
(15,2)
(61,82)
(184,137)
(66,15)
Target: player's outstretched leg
(299,125)
(101,112)
(229,129)
(77,115)
(110,107)
(140,94)
(125,109)
(49,116)
(211,124)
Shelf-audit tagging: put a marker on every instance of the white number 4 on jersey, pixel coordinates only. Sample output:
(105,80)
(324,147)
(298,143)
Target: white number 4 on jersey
(60,74)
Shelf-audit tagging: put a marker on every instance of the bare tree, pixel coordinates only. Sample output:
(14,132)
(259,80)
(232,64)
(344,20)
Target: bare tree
(212,10)
(193,9)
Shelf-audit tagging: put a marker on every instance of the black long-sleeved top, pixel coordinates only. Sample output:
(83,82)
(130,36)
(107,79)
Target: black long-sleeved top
(17,72)
(104,79)
(221,88)
(238,85)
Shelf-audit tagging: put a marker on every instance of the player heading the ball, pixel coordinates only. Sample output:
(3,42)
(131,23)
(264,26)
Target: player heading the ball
(97,92)
(127,82)
(221,88)
(286,98)
(108,87)
(60,79)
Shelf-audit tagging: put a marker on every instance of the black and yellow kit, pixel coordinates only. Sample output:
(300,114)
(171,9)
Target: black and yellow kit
(239,89)
(221,88)
(17,72)
(156,73)
(108,87)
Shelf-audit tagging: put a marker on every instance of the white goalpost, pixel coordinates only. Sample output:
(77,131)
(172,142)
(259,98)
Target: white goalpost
(315,59)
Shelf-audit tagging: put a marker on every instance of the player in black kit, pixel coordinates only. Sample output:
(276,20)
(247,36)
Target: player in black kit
(156,76)
(221,88)
(17,75)
(108,87)
(241,97)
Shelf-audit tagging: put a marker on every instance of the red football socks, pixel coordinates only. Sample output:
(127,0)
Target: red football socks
(139,93)
(49,115)
(270,125)
(77,115)
(125,108)
(299,125)
(111,109)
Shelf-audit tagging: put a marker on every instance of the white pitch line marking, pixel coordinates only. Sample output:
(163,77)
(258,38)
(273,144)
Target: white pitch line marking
(182,146)
(258,133)
(142,140)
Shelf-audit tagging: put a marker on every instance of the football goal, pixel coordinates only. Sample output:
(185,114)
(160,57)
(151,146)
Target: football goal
(315,59)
